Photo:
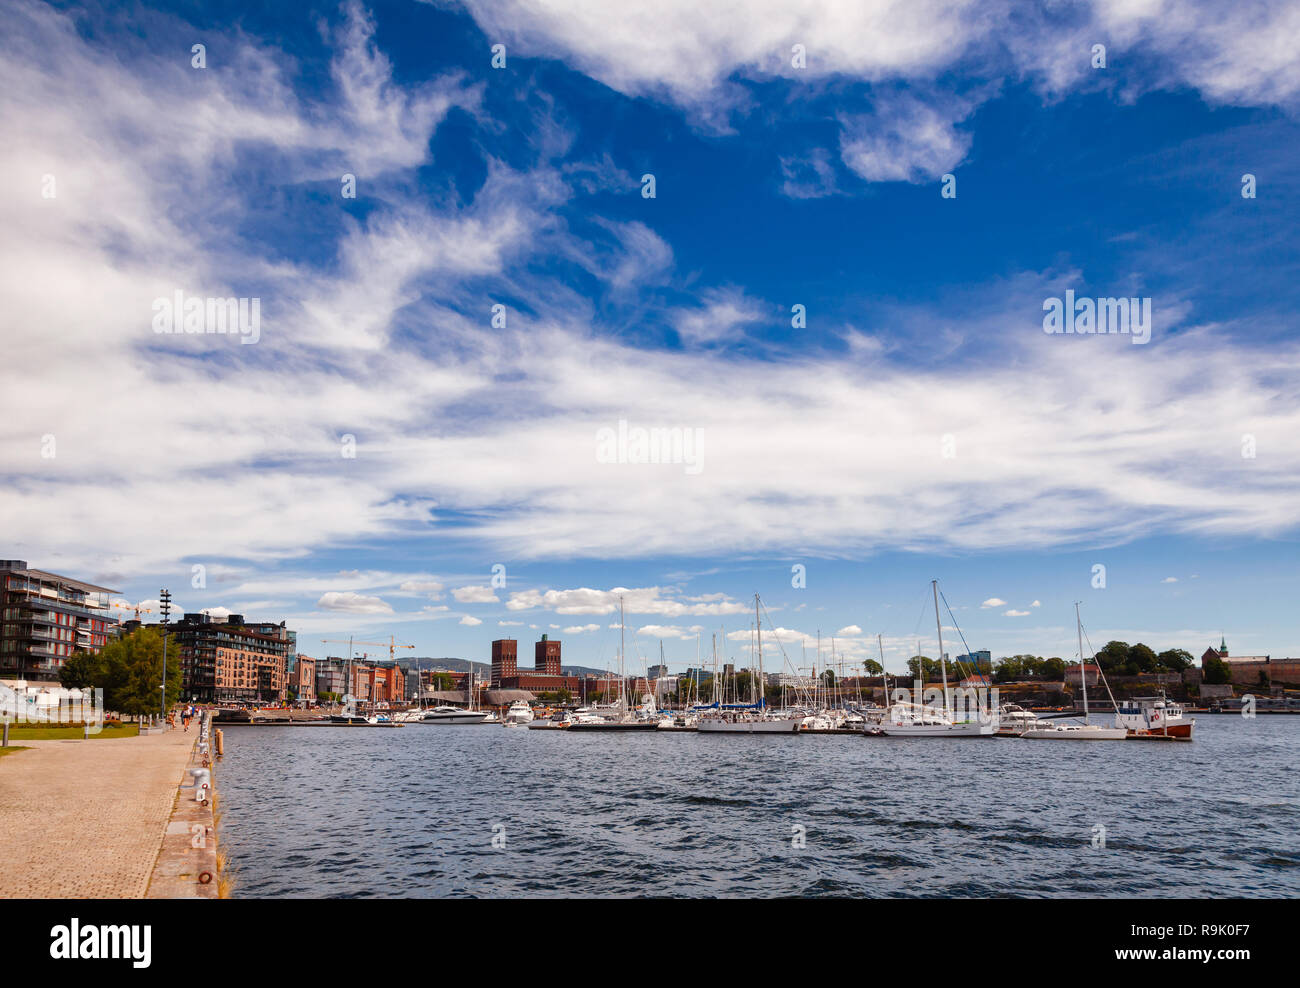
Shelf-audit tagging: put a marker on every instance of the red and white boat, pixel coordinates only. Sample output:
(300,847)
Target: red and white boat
(1154,717)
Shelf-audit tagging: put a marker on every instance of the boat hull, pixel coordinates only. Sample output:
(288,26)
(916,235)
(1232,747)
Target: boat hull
(615,725)
(1179,731)
(970,729)
(468,717)
(748,726)
(1075,734)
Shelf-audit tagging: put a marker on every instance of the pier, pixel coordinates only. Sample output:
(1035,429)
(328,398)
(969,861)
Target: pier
(86,818)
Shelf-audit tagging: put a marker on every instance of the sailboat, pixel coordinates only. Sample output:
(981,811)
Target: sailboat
(1076,732)
(755,718)
(914,720)
(622,719)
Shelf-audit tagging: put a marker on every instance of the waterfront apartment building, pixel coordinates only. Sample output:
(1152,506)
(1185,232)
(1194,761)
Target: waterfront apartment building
(303,678)
(387,683)
(45,618)
(230,661)
(331,675)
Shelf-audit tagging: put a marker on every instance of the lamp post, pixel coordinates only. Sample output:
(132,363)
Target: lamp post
(165,606)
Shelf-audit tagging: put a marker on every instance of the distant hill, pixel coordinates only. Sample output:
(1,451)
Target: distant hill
(483,668)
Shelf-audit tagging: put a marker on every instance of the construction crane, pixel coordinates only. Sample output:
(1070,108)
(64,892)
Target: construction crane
(137,608)
(392,645)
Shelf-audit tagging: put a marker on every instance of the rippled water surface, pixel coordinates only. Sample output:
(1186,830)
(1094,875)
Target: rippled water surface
(324,811)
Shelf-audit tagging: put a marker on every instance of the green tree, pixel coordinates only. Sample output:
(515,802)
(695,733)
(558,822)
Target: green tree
(1175,659)
(81,670)
(872,668)
(1054,668)
(1113,657)
(1215,671)
(923,667)
(130,672)
(1141,659)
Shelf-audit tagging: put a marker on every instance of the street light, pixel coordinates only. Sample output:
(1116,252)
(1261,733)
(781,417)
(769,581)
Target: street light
(165,596)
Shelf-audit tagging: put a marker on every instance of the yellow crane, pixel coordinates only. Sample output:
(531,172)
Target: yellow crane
(392,645)
(135,607)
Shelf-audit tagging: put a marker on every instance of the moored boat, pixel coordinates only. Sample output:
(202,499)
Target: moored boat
(1154,717)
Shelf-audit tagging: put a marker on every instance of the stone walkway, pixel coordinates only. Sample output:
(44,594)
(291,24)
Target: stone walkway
(85,819)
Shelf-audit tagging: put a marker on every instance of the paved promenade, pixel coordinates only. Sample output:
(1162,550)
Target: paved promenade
(85,819)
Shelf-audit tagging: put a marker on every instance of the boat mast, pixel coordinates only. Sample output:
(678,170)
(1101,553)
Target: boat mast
(884,676)
(1083,673)
(938,628)
(622,683)
(816,681)
(758,633)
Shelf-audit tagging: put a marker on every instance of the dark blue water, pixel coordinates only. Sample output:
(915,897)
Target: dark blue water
(411,813)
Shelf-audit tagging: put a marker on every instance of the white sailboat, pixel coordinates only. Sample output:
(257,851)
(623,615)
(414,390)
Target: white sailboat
(756,720)
(1046,731)
(915,720)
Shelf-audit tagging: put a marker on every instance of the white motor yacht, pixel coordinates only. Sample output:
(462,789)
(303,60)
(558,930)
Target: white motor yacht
(453,715)
(519,714)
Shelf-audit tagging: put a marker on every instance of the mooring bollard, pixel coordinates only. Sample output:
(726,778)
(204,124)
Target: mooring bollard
(221,740)
(6,736)
(202,782)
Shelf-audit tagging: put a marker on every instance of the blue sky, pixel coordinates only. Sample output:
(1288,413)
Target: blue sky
(383,446)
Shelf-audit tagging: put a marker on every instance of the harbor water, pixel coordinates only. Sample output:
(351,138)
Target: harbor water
(488,811)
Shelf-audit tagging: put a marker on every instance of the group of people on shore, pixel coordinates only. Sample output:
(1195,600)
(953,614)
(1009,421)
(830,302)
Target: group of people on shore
(187,714)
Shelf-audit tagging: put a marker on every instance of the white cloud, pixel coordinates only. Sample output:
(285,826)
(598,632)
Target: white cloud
(994,602)
(475,595)
(578,629)
(1036,604)
(470,621)
(904,139)
(640,600)
(724,314)
(431,587)
(351,602)
(1170,579)
(1014,613)
(851,629)
(1124,454)
(664,631)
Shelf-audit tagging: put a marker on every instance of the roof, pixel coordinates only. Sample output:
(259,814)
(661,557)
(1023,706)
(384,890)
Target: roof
(497,698)
(41,574)
(447,696)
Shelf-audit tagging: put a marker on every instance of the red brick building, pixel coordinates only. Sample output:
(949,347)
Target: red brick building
(546,657)
(387,683)
(505,660)
(305,678)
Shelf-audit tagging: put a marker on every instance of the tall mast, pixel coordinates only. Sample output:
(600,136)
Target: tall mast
(884,676)
(758,633)
(938,628)
(622,682)
(1083,673)
(715,669)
